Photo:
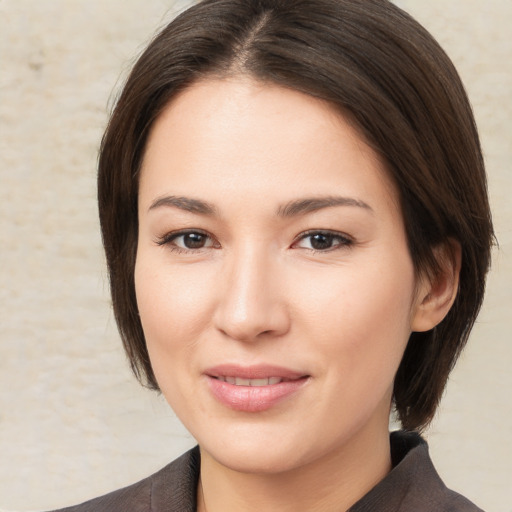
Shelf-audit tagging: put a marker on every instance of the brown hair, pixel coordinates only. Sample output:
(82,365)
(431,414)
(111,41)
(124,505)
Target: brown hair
(367,58)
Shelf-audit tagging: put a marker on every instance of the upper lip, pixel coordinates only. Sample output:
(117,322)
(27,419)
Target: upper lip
(260,371)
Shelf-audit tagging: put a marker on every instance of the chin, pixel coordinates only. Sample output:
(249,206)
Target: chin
(262,450)
(255,459)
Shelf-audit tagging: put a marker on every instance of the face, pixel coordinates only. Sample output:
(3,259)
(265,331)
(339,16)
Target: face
(273,278)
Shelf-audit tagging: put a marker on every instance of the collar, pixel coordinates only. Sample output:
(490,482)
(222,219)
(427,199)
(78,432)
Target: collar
(413,484)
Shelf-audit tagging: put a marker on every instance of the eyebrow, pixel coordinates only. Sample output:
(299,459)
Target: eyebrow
(187,204)
(313,204)
(290,209)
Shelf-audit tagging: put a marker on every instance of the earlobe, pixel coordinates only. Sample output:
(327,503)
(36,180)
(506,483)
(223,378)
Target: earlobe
(436,295)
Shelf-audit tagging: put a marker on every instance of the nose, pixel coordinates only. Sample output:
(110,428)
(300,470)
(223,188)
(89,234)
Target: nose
(251,303)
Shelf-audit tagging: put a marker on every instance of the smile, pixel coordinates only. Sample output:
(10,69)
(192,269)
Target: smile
(239,381)
(254,389)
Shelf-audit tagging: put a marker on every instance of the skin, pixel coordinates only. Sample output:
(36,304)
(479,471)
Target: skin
(254,290)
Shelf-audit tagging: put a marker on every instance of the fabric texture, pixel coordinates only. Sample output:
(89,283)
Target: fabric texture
(413,485)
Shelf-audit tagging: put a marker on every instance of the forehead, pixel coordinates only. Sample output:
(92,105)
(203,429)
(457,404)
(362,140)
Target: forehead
(240,135)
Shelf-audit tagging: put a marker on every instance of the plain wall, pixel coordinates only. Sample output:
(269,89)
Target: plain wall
(73,422)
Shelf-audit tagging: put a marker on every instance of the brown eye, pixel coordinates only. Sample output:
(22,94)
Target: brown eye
(322,241)
(188,241)
(194,240)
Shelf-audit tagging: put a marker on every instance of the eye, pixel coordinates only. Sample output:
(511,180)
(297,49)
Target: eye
(322,241)
(188,240)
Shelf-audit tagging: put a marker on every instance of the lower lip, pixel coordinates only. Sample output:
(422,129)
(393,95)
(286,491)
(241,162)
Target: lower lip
(253,398)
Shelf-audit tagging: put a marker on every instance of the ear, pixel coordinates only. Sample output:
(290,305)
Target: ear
(435,295)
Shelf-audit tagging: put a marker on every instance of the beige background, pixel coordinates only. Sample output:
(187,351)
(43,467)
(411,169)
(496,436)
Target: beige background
(73,422)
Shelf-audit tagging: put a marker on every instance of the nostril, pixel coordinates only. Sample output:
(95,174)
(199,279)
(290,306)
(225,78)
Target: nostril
(248,312)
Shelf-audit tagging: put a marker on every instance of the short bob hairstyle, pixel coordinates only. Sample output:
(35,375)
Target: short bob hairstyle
(379,68)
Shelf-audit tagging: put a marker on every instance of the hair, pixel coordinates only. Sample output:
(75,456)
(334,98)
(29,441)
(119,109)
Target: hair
(372,62)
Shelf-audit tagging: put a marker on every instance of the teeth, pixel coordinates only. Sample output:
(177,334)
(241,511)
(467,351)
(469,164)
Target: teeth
(259,382)
(238,381)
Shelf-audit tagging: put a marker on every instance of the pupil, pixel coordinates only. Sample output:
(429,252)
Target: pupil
(320,241)
(194,240)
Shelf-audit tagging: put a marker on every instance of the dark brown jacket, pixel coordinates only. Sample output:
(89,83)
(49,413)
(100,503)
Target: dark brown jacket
(413,485)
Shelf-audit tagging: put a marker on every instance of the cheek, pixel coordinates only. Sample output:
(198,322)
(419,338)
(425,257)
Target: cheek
(174,306)
(361,316)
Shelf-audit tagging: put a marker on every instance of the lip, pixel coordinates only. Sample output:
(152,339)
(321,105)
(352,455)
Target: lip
(247,398)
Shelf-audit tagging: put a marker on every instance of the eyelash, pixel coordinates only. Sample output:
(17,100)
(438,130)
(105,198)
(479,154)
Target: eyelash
(169,238)
(344,241)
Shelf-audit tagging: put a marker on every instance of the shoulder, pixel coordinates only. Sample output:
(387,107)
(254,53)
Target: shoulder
(172,489)
(413,485)
(428,492)
(134,498)
(454,502)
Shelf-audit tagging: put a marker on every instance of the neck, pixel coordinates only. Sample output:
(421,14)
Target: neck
(330,484)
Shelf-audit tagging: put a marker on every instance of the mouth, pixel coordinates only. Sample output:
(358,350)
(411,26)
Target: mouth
(255,388)
(240,381)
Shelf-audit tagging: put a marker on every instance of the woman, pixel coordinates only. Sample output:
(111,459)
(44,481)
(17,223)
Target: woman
(294,212)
